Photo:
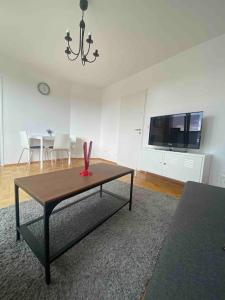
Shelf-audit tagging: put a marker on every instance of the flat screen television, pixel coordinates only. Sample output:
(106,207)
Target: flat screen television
(178,130)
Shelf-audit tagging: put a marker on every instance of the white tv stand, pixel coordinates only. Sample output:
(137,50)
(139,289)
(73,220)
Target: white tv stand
(181,166)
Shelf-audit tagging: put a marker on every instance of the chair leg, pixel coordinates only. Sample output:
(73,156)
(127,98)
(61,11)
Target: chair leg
(46,155)
(30,153)
(20,156)
(51,155)
(69,157)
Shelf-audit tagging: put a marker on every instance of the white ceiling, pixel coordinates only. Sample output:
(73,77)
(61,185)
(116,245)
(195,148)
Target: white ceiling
(131,35)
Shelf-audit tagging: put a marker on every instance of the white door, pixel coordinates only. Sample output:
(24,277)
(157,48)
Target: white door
(192,166)
(173,165)
(130,130)
(183,167)
(152,161)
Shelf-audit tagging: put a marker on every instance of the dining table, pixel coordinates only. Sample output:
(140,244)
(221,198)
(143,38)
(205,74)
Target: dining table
(41,139)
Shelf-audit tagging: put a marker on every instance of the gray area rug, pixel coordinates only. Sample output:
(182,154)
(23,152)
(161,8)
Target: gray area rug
(113,262)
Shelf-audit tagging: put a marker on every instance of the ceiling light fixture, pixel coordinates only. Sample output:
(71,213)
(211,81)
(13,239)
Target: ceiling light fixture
(81,51)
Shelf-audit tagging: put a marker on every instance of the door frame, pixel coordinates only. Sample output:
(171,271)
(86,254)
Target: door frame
(1,121)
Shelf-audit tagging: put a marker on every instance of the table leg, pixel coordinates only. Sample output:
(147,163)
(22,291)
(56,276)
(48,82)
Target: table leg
(101,191)
(17,212)
(131,189)
(46,243)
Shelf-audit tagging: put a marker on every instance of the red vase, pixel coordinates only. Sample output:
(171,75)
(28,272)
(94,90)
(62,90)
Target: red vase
(87,155)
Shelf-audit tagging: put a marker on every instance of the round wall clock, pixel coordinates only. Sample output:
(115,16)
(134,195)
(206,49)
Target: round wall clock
(44,88)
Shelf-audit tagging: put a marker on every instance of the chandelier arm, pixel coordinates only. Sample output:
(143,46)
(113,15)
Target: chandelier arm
(74,53)
(89,47)
(71,59)
(91,61)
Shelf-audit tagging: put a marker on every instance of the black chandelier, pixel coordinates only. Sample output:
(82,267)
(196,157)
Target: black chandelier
(81,52)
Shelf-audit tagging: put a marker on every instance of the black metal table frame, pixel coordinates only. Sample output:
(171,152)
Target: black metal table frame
(42,252)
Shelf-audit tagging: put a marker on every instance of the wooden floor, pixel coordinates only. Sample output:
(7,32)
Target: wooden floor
(8,173)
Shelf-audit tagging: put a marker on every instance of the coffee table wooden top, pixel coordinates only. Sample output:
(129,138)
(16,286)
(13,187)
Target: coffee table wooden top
(59,185)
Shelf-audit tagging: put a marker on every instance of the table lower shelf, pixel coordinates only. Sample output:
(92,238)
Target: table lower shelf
(83,217)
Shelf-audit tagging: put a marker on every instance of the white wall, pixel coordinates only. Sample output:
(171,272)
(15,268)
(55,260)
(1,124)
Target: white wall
(26,109)
(191,81)
(85,117)
(70,108)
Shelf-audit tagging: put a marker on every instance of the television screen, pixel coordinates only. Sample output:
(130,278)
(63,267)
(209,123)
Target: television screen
(178,130)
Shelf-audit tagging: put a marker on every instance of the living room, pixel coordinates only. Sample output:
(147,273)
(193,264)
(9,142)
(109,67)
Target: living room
(155,60)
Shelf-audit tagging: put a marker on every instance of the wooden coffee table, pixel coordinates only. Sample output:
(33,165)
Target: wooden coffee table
(50,189)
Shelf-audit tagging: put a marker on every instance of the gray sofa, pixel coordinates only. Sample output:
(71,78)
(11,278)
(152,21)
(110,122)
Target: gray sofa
(191,264)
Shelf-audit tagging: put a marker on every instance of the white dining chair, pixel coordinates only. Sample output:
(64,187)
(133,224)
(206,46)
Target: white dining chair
(62,143)
(25,144)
